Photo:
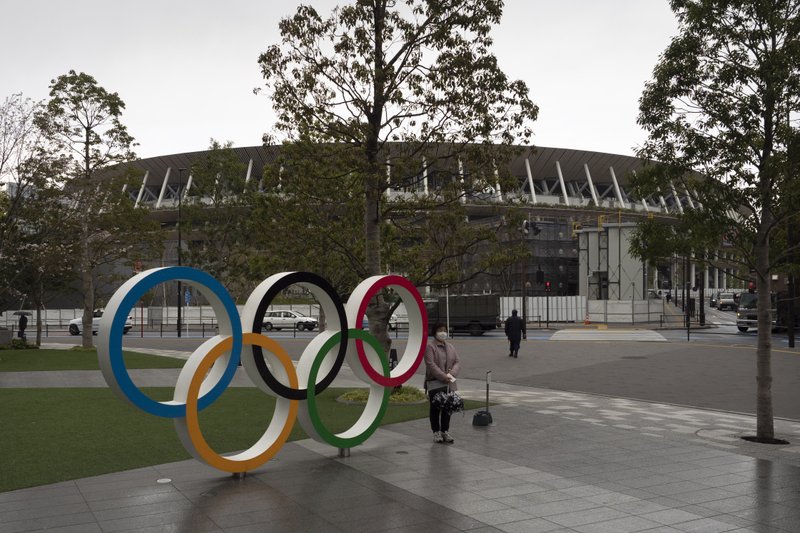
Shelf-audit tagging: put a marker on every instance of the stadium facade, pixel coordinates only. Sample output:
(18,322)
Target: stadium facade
(574,202)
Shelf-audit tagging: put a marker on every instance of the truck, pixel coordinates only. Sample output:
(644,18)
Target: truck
(747,314)
(473,314)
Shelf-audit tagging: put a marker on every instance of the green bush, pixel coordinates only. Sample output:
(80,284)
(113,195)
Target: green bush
(399,396)
(19,344)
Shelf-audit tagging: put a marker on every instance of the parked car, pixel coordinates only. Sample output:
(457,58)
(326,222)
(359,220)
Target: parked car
(714,299)
(288,320)
(76,324)
(727,300)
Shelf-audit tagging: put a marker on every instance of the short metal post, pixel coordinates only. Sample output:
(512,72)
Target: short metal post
(688,326)
(488,379)
(344,452)
(484,418)
(547,319)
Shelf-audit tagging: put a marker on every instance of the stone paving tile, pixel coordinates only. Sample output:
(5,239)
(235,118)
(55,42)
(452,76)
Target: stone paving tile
(662,529)
(37,503)
(79,528)
(186,520)
(587,516)
(430,525)
(620,525)
(43,512)
(500,516)
(37,494)
(671,516)
(533,525)
(50,522)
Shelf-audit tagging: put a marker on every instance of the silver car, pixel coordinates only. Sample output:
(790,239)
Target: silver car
(288,320)
(76,324)
(727,300)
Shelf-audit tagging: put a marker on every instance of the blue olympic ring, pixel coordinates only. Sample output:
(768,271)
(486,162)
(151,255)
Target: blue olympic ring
(120,306)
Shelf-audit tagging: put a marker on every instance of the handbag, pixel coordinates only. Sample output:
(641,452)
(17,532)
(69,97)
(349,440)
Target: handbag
(433,385)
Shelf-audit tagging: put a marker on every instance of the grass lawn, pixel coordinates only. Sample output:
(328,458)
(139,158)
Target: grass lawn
(39,360)
(52,435)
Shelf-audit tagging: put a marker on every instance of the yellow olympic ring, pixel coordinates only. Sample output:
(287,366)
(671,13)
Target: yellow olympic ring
(277,432)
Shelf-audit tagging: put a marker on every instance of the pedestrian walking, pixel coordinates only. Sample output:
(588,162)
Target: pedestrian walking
(515,331)
(23,323)
(442,365)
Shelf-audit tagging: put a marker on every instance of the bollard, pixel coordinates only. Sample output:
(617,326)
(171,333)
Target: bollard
(393,361)
(688,328)
(344,452)
(484,418)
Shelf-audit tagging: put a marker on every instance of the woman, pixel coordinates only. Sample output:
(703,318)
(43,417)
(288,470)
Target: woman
(442,364)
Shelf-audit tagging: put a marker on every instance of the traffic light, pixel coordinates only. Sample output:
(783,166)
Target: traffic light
(546,286)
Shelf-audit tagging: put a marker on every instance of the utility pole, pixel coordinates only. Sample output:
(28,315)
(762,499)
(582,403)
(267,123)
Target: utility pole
(180,288)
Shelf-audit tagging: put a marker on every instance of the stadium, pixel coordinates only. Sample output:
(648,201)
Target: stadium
(579,212)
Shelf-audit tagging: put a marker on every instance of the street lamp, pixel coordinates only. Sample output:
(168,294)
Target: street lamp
(180,288)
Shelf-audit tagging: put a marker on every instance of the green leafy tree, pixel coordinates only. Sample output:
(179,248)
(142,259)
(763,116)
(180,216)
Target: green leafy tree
(720,112)
(24,169)
(37,263)
(416,72)
(216,218)
(84,120)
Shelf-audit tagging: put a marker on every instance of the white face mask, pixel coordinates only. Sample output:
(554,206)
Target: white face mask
(441,335)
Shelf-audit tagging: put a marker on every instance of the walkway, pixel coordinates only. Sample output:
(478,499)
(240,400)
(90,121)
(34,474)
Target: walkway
(551,462)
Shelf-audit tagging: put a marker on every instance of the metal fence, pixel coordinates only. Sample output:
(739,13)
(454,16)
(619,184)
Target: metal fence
(545,309)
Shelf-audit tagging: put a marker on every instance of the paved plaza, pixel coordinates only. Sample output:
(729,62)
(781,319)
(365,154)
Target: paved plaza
(552,461)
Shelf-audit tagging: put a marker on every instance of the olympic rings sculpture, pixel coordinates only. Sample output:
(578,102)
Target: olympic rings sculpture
(211,367)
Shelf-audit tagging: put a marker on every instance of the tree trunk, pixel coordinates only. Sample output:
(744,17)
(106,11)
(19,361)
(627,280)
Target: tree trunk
(764,417)
(87,286)
(372,229)
(38,298)
(378,311)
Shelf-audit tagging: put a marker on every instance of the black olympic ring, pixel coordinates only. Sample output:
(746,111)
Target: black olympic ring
(308,280)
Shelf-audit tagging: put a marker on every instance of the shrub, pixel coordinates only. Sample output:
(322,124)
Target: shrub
(19,344)
(399,396)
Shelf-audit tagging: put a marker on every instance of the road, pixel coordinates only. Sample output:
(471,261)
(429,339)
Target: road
(714,369)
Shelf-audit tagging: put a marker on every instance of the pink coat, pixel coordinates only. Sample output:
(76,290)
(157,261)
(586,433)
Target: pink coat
(441,359)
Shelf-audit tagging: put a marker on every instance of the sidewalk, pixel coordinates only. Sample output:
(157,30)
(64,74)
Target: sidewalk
(552,462)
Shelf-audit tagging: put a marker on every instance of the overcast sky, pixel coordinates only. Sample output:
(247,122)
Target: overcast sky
(186,69)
